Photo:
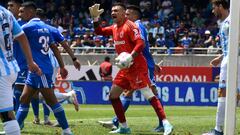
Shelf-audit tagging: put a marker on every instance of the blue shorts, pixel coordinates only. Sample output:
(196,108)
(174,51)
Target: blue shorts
(21,77)
(38,82)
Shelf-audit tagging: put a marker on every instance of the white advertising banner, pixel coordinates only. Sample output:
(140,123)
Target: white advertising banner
(86,72)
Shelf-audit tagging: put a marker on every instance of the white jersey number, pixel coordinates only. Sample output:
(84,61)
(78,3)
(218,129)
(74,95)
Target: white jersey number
(44,40)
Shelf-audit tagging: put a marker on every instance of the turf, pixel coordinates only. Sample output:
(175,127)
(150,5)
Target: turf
(141,119)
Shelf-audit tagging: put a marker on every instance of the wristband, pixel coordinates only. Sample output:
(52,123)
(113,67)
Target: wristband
(74,59)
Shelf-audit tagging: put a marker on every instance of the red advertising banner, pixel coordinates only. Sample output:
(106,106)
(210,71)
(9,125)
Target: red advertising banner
(185,74)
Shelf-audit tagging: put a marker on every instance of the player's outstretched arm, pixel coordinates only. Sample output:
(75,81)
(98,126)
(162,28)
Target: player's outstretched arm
(76,62)
(33,67)
(63,71)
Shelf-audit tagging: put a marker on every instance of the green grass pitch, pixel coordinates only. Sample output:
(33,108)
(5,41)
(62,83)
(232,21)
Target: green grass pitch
(141,119)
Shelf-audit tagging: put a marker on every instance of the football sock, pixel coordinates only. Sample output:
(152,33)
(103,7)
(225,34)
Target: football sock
(124,125)
(61,96)
(126,102)
(35,107)
(158,108)
(46,112)
(118,108)
(220,115)
(11,127)
(22,113)
(60,115)
(17,94)
(160,121)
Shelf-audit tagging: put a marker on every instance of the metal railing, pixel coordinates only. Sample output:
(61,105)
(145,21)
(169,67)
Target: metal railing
(154,50)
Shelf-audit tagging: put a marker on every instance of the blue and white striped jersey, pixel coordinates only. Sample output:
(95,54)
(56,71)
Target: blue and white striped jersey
(146,51)
(39,38)
(9,29)
(224,35)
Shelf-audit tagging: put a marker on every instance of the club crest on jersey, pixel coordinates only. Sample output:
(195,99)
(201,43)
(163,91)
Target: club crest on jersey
(121,34)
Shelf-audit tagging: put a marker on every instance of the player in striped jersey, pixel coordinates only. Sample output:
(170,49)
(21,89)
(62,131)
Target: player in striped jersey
(13,6)
(10,30)
(220,9)
(40,40)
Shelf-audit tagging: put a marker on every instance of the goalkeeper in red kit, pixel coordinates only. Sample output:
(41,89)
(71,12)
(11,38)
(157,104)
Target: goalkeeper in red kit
(133,73)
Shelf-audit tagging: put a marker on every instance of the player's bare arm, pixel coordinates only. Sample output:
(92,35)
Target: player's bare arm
(63,70)
(75,60)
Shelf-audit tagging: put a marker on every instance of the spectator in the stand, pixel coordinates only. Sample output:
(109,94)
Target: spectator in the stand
(79,30)
(186,42)
(151,39)
(99,47)
(105,70)
(110,46)
(213,48)
(161,42)
(158,28)
(87,41)
(208,39)
(198,20)
(110,43)
(180,31)
(167,7)
(169,38)
(67,36)
(77,43)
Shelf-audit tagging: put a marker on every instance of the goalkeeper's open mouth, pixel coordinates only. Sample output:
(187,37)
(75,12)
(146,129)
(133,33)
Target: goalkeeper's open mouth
(114,16)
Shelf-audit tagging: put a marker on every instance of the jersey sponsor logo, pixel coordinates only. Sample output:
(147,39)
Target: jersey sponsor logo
(122,42)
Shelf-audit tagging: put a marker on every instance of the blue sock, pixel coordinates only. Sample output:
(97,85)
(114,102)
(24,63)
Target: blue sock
(17,94)
(125,102)
(35,106)
(46,110)
(22,113)
(60,115)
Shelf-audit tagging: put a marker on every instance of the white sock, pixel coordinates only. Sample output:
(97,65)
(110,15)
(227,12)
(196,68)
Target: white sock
(67,130)
(220,116)
(124,125)
(11,127)
(165,122)
(61,96)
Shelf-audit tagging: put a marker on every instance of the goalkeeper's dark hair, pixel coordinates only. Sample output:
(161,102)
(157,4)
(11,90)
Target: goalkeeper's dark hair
(224,3)
(16,1)
(40,13)
(137,10)
(119,4)
(30,4)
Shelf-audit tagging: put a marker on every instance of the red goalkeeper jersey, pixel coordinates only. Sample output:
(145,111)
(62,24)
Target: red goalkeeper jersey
(125,37)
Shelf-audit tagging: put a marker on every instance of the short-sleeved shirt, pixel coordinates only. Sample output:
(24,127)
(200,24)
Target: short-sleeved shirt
(40,39)
(224,35)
